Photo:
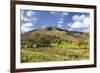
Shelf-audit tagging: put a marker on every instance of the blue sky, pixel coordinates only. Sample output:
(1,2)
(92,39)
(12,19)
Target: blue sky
(35,19)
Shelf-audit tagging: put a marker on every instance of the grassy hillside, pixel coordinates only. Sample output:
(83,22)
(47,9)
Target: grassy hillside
(54,44)
(65,34)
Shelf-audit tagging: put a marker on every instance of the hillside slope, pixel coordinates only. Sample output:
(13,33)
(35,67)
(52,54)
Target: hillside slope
(64,34)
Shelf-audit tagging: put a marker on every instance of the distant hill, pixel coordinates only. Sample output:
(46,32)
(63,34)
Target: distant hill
(64,34)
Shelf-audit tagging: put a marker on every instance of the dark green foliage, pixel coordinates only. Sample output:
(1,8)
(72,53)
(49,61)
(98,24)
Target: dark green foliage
(49,28)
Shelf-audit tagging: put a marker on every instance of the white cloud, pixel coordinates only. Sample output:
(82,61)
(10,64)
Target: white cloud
(26,27)
(86,22)
(22,16)
(65,13)
(30,21)
(69,24)
(44,26)
(59,25)
(80,21)
(52,12)
(62,14)
(30,13)
(28,17)
(61,19)
(76,24)
(34,20)
(78,17)
(27,24)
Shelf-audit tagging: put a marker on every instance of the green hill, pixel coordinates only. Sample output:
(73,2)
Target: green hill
(63,34)
(54,44)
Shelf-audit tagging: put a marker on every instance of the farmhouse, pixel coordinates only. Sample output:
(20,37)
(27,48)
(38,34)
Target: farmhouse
(34,45)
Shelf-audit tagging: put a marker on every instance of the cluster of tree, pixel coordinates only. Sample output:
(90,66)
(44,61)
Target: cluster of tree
(45,40)
(41,41)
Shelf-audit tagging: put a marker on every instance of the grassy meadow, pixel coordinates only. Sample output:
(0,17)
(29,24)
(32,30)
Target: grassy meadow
(53,44)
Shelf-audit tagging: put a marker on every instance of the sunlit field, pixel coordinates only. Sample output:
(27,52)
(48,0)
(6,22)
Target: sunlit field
(53,54)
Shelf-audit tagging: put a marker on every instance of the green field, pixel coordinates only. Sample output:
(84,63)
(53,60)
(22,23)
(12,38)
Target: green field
(53,54)
(54,45)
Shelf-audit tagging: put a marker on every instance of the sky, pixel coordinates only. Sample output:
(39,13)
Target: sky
(35,19)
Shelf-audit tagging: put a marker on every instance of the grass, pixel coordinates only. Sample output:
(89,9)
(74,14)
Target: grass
(63,53)
(69,46)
